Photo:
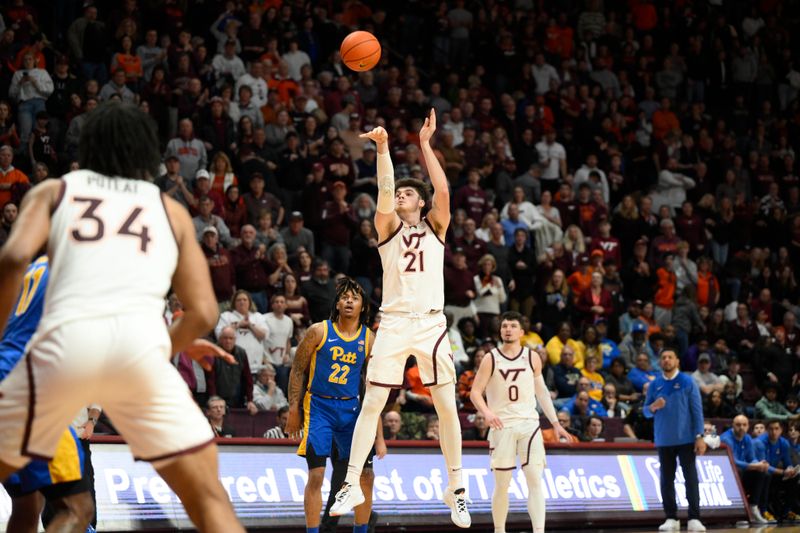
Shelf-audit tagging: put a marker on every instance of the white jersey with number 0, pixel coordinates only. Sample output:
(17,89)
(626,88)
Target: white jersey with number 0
(112,250)
(510,392)
(413,270)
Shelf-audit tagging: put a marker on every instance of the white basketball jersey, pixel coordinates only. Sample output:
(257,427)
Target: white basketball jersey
(413,270)
(511,393)
(112,250)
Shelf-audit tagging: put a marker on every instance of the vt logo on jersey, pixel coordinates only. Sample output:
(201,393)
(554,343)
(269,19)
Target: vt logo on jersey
(515,371)
(415,256)
(413,238)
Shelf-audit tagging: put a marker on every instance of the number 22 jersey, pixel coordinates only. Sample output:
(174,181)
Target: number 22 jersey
(336,365)
(112,250)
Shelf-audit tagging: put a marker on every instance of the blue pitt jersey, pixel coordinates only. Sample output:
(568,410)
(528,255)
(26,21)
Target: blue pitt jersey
(25,316)
(336,365)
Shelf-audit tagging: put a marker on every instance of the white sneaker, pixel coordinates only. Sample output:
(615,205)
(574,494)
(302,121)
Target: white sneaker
(756,514)
(348,498)
(457,502)
(670,525)
(695,525)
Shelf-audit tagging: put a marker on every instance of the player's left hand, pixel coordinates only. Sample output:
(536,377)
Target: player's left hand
(561,432)
(88,430)
(204,352)
(429,128)
(380,448)
(700,447)
(493,421)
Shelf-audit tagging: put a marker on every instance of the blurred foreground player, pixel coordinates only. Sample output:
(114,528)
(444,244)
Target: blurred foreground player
(334,353)
(60,481)
(412,254)
(512,378)
(116,245)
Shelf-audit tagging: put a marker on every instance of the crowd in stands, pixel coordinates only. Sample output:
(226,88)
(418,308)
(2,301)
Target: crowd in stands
(623,172)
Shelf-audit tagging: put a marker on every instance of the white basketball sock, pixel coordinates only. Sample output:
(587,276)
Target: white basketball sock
(444,400)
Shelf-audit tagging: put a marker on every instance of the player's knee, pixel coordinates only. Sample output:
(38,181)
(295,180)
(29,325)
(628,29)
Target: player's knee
(80,507)
(315,478)
(367,477)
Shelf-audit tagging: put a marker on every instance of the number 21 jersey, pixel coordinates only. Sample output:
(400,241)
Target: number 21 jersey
(112,250)
(413,270)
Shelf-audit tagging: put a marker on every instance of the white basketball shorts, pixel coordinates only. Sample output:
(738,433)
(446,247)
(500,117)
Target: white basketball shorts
(120,362)
(400,336)
(523,440)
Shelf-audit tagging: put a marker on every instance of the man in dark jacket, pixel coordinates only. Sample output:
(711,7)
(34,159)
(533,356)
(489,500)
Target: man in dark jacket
(232,382)
(320,291)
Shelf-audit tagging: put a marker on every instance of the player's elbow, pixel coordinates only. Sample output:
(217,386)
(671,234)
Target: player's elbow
(207,315)
(13,259)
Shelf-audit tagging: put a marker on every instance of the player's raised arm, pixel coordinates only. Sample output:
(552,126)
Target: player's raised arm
(28,235)
(439,214)
(302,360)
(482,377)
(386,220)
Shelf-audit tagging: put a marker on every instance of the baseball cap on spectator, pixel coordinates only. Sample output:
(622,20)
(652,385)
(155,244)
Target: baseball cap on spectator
(584,259)
(354,116)
(317,166)
(703,358)
(202,173)
(637,303)
(459,251)
(296,215)
(600,320)
(338,185)
(597,252)
(638,327)
(256,176)
(210,229)
(369,146)
(171,158)
(215,99)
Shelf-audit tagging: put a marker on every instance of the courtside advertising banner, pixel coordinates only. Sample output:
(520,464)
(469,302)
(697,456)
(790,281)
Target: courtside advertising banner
(265,484)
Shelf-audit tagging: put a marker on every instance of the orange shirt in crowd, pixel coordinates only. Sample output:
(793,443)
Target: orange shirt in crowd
(131,64)
(415,382)
(663,123)
(11,177)
(665,294)
(707,288)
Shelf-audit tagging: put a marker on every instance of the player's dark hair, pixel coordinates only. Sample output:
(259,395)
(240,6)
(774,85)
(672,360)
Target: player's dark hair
(511,316)
(344,286)
(119,140)
(422,188)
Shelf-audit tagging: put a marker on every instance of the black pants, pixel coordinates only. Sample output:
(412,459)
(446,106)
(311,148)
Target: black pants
(756,485)
(48,513)
(668,456)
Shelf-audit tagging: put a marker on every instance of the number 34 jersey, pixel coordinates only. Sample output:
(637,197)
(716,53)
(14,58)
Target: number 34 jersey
(510,392)
(335,370)
(112,250)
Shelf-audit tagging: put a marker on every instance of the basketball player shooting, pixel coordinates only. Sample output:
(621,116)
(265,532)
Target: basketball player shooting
(512,378)
(116,246)
(412,253)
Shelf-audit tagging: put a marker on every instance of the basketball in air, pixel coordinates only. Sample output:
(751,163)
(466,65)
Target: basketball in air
(360,51)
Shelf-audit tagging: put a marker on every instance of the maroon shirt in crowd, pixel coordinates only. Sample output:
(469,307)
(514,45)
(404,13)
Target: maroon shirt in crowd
(251,268)
(456,284)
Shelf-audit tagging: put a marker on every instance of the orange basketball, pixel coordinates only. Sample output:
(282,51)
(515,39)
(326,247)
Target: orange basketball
(360,51)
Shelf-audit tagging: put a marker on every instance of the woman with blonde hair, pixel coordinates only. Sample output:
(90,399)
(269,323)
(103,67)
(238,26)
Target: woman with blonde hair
(221,171)
(491,294)
(250,326)
(574,243)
